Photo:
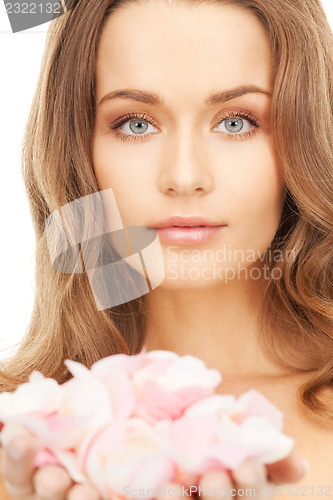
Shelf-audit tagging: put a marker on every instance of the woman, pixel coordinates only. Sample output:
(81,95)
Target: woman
(217,109)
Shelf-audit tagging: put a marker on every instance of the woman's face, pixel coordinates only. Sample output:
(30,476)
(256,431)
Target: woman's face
(183,151)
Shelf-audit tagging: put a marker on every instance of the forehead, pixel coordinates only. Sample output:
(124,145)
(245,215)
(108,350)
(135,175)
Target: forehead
(172,47)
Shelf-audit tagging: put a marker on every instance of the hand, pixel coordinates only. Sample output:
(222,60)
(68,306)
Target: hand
(251,475)
(50,482)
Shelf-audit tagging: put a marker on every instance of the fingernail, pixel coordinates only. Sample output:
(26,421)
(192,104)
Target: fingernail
(306,466)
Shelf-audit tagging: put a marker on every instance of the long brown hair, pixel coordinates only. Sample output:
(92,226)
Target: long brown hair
(297,309)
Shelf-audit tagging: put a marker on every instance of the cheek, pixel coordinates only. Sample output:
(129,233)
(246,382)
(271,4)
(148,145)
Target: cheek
(260,191)
(261,195)
(118,166)
(113,169)
(129,166)
(256,195)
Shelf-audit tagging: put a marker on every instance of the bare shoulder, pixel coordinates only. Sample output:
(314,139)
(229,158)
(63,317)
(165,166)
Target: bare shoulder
(313,440)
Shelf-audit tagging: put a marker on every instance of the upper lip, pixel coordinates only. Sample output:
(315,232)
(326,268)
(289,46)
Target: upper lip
(183,221)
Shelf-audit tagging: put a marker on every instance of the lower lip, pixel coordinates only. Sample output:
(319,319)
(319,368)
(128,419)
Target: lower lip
(187,235)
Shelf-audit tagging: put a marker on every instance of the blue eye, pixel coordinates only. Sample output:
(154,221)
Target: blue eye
(234,125)
(136,126)
(235,122)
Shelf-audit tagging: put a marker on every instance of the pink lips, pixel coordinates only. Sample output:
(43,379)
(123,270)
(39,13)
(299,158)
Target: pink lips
(183,230)
(187,235)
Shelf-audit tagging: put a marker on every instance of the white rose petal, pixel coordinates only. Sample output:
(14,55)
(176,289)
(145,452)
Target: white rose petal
(214,404)
(40,394)
(189,371)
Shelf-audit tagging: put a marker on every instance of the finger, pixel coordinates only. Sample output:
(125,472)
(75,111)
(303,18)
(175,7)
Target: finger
(290,469)
(83,492)
(251,477)
(251,473)
(52,482)
(18,467)
(186,478)
(215,484)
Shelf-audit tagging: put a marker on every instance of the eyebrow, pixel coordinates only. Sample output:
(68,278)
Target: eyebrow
(152,98)
(227,95)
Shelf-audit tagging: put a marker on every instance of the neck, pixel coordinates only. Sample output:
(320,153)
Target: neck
(216,324)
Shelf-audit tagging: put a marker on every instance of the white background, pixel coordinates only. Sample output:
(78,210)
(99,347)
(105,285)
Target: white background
(20,57)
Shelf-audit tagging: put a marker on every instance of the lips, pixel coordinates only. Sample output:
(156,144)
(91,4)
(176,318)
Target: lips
(187,231)
(186,222)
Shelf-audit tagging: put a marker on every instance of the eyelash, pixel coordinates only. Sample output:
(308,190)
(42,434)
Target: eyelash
(222,117)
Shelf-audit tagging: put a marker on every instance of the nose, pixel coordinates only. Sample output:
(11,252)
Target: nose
(185,166)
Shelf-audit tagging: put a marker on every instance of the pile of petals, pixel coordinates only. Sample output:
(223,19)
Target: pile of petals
(139,421)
